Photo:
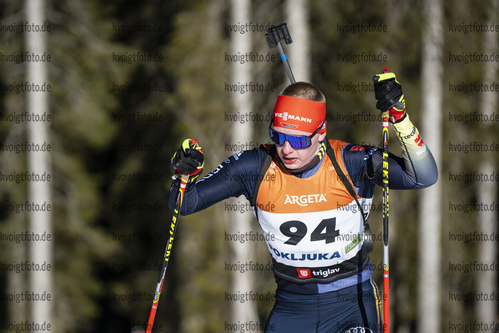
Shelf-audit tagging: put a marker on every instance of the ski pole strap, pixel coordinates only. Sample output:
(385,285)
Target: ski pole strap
(368,241)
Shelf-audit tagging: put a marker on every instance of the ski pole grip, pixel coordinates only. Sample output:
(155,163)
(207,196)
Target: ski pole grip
(285,34)
(274,37)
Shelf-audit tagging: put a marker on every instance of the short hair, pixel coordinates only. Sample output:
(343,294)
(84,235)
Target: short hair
(304,90)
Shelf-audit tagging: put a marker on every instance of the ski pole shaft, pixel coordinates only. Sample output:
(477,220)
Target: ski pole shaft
(386,275)
(173,227)
(287,67)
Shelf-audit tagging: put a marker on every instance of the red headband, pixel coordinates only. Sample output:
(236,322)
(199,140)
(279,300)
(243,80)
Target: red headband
(299,114)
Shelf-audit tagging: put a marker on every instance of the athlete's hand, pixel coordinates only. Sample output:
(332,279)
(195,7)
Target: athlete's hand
(389,96)
(189,159)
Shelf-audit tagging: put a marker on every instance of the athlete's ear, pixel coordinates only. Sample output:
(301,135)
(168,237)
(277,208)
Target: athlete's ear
(322,137)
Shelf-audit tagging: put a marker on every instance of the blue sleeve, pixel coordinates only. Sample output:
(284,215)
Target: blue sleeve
(416,169)
(236,176)
(357,164)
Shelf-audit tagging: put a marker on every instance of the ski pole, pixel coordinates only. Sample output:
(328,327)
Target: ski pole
(386,275)
(274,39)
(173,227)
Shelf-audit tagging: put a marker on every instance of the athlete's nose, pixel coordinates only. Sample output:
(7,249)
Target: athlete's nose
(287,148)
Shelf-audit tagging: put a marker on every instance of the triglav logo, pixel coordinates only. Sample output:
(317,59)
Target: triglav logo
(303,273)
(326,273)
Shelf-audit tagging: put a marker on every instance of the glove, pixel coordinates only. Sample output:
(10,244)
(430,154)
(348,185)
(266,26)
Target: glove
(189,159)
(389,96)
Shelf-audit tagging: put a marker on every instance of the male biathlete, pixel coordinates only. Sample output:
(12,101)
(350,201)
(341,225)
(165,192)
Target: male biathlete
(313,195)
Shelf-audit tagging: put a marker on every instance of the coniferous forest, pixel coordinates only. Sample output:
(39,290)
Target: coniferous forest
(96,97)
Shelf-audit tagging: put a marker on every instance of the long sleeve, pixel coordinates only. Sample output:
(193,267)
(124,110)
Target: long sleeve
(420,166)
(236,176)
(416,169)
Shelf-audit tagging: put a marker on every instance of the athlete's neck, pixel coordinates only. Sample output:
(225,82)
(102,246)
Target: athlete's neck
(313,161)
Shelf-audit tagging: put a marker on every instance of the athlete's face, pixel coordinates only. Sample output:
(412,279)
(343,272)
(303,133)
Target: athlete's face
(296,158)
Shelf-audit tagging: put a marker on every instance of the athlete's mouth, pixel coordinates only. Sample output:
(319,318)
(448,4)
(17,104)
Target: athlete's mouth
(289,159)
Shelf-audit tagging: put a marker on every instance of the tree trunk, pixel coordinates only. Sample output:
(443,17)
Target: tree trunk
(299,51)
(240,222)
(487,190)
(39,221)
(430,206)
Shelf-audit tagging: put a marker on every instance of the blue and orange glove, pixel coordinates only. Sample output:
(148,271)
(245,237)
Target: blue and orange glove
(389,96)
(189,159)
